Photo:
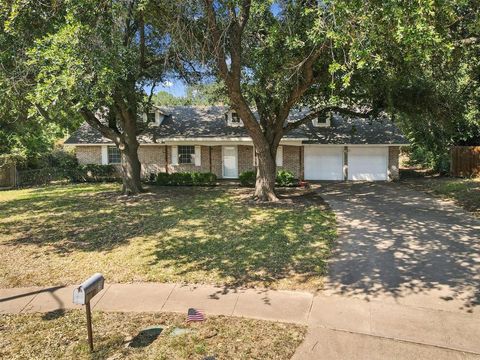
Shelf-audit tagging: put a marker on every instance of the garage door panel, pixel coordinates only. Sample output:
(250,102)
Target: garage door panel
(323,163)
(369,163)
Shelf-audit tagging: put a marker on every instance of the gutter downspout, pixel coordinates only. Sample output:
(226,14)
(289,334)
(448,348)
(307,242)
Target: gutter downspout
(166,159)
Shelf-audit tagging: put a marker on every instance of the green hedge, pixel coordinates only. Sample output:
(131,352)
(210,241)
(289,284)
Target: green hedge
(187,179)
(93,173)
(284,178)
(80,173)
(247,178)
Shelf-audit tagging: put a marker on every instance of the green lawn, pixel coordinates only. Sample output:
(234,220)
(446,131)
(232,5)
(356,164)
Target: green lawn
(62,234)
(63,336)
(465,192)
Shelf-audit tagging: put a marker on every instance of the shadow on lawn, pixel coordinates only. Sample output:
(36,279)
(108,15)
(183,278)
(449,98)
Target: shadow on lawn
(397,242)
(195,230)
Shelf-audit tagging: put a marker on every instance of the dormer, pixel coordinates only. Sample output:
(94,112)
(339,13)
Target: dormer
(154,117)
(322,121)
(232,118)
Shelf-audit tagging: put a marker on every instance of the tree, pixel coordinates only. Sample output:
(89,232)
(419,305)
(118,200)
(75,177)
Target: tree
(97,62)
(210,93)
(26,130)
(197,94)
(427,70)
(332,56)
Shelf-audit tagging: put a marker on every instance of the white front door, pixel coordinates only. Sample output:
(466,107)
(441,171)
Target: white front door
(367,163)
(230,162)
(323,163)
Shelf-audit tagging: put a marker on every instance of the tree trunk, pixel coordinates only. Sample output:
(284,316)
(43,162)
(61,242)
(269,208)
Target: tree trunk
(266,173)
(131,168)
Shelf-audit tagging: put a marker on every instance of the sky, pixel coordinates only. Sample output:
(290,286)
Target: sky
(174,87)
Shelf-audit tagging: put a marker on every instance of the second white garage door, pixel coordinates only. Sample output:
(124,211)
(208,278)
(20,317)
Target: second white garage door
(367,163)
(323,163)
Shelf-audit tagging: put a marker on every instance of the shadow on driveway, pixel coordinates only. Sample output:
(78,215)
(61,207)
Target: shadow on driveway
(397,242)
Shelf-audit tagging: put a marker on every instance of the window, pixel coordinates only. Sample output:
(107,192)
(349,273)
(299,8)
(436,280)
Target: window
(114,156)
(186,154)
(322,120)
(151,117)
(235,118)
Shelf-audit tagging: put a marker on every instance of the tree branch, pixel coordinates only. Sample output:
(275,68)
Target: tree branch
(217,48)
(95,123)
(336,109)
(307,80)
(232,77)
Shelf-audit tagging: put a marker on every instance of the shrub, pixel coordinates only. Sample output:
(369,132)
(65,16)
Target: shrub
(163,179)
(180,178)
(40,176)
(93,173)
(247,178)
(186,178)
(61,159)
(285,178)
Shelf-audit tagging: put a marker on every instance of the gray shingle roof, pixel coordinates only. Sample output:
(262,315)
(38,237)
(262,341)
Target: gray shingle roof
(209,122)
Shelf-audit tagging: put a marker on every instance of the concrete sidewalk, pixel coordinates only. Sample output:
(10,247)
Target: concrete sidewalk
(365,326)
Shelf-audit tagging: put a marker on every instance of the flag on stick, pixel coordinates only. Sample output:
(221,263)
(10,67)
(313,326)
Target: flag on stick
(195,315)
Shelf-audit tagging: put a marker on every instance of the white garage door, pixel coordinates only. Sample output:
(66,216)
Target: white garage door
(367,163)
(323,163)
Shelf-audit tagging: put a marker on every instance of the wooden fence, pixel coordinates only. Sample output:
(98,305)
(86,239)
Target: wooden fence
(7,176)
(465,161)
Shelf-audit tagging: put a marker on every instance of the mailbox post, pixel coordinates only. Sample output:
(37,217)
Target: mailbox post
(82,296)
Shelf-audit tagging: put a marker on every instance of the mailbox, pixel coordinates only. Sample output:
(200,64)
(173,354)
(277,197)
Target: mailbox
(88,289)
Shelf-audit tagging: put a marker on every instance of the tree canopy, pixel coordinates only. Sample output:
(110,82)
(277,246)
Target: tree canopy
(68,60)
(201,94)
(356,58)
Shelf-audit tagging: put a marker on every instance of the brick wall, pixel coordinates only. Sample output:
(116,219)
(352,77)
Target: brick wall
(292,160)
(217,161)
(204,167)
(152,159)
(245,158)
(89,154)
(393,156)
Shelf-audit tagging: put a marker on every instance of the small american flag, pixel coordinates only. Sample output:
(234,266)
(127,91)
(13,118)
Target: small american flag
(195,315)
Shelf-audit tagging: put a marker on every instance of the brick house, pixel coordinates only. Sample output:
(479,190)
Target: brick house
(213,139)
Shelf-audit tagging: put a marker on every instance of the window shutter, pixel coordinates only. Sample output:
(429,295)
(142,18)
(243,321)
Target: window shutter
(174,155)
(198,156)
(254,157)
(279,159)
(104,155)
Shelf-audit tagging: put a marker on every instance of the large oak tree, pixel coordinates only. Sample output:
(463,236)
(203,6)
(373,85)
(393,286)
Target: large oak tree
(97,62)
(347,57)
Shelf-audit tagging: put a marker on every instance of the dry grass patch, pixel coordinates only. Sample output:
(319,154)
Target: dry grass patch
(63,336)
(61,235)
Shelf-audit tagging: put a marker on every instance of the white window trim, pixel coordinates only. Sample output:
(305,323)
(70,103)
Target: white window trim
(198,155)
(104,154)
(174,155)
(193,160)
(159,117)
(279,158)
(230,118)
(107,161)
(317,124)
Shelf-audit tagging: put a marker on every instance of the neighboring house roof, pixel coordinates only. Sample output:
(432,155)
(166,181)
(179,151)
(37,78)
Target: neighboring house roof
(184,122)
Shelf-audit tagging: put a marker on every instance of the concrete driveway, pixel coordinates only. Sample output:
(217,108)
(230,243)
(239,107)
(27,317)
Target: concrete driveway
(398,243)
(404,279)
